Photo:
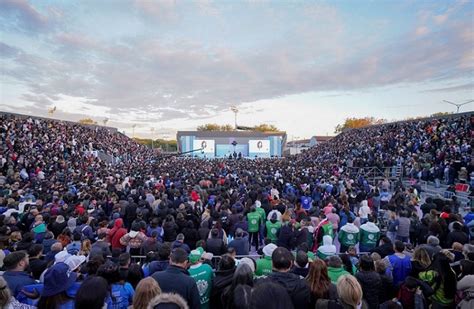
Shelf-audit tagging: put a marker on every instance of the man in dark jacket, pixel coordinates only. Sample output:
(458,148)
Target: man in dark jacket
(215,244)
(457,235)
(176,279)
(16,277)
(370,281)
(240,243)
(297,288)
(179,243)
(385,248)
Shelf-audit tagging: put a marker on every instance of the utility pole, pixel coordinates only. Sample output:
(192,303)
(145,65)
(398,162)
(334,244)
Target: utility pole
(458,105)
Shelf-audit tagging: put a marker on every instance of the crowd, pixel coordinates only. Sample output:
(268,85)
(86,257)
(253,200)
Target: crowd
(299,232)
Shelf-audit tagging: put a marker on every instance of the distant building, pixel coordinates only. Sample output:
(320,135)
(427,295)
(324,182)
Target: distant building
(298,146)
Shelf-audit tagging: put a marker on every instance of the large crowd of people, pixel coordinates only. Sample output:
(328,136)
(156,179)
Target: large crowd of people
(148,231)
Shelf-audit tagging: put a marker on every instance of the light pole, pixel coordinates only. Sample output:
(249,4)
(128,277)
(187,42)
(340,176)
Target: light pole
(235,110)
(458,105)
(133,130)
(152,130)
(105,121)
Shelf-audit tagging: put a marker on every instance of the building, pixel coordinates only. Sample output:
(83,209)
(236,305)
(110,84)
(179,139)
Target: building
(220,144)
(298,146)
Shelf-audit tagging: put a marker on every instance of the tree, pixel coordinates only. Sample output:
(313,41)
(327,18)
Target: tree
(215,127)
(440,114)
(168,145)
(265,128)
(87,121)
(354,123)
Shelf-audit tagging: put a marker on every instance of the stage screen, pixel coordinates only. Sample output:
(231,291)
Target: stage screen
(259,146)
(207,145)
(226,150)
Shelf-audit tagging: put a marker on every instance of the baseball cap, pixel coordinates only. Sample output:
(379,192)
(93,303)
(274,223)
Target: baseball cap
(75,261)
(196,254)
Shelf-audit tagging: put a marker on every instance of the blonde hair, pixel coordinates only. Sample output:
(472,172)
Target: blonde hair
(86,247)
(422,256)
(5,293)
(349,290)
(146,290)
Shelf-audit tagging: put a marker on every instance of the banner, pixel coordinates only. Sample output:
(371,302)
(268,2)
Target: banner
(259,146)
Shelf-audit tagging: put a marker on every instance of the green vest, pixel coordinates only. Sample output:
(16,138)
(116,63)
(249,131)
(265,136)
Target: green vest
(202,274)
(253,219)
(272,229)
(262,213)
(264,266)
(348,239)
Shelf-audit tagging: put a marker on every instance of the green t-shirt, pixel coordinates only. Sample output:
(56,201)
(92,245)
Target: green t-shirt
(264,266)
(202,274)
(253,219)
(272,230)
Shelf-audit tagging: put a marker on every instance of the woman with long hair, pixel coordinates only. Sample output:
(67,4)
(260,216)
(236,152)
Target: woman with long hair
(319,282)
(420,261)
(147,289)
(85,247)
(350,292)
(242,279)
(92,293)
(442,279)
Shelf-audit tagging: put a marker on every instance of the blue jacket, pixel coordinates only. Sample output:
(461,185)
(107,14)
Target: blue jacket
(122,296)
(16,280)
(177,280)
(241,245)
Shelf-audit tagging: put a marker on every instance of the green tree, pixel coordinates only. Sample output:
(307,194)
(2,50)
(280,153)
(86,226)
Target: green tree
(215,127)
(354,123)
(265,128)
(87,121)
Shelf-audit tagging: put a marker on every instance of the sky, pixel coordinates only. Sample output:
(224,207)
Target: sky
(303,66)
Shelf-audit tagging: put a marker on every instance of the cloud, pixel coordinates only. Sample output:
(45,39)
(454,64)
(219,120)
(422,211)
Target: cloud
(147,79)
(421,31)
(26,15)
(463,87)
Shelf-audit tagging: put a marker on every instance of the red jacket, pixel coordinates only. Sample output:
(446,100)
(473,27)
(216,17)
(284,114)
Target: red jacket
(116,233)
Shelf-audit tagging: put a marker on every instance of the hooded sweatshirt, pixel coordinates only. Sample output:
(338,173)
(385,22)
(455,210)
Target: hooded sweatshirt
(327,249)
(116,233)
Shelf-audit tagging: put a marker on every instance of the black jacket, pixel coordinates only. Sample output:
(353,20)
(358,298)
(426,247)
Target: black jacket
(297,288)
(384,250)
(222,280)
(215,246)
(177,280)
(371,284)
(286,237)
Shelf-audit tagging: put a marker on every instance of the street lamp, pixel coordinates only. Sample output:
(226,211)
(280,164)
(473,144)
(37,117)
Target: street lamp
(133,130)
(458,105)
(235,110)
(152,131)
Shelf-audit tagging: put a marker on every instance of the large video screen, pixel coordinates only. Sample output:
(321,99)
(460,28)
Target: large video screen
(259,146)
(207,146)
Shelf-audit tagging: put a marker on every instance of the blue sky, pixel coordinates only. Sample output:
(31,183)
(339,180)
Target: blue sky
(303,66)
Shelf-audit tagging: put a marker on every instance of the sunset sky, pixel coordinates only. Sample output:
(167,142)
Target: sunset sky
(303,66)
